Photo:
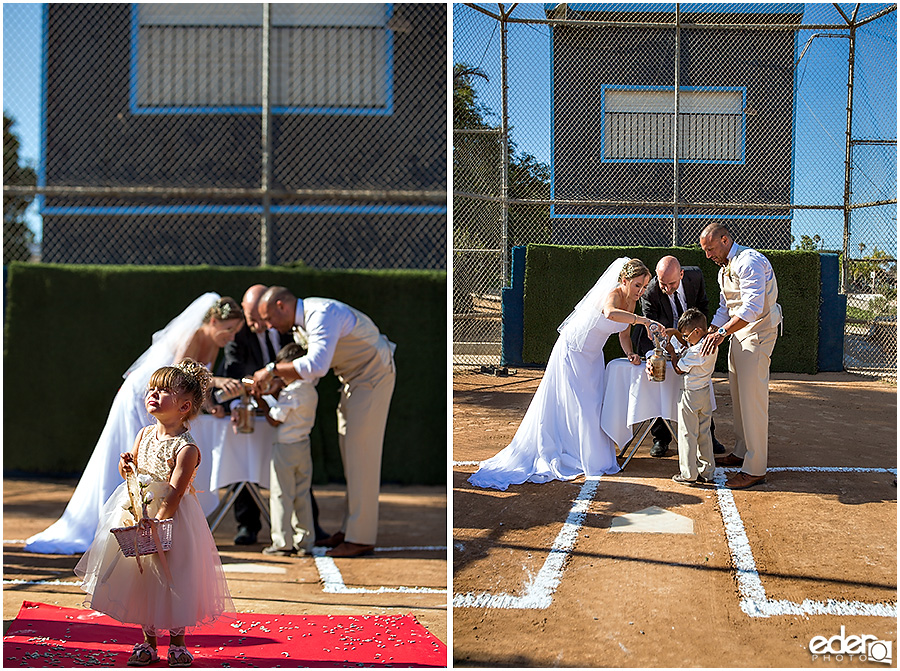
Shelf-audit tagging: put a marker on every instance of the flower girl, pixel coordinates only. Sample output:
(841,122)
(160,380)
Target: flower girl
(185,585)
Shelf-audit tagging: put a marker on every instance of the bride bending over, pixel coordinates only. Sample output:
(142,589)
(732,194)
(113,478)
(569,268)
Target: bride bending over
(205,326)
(560,437)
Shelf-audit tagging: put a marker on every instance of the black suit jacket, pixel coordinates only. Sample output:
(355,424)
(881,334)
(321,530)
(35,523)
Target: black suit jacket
(243,356)
(656,305)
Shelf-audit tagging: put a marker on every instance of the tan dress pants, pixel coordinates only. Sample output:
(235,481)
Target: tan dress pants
(362,417)
(695,448)
(748,379)
(290,505)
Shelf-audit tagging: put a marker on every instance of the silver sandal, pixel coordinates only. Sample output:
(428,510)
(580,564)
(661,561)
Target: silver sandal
(177,652)
(142,654)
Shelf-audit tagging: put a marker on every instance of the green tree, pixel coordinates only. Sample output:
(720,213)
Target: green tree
(17,237)
(877,261)
(476,169)
(811,244)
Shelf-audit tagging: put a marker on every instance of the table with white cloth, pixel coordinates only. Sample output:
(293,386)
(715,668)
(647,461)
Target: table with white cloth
(232,460)
(630,398)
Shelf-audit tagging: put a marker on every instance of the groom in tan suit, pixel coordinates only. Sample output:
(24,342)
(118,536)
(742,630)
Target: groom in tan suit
(749,315)
(342,338)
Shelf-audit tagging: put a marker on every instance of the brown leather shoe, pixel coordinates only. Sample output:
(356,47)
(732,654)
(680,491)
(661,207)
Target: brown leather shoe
(742,480)
(730,460)
(348,549)
(332,541)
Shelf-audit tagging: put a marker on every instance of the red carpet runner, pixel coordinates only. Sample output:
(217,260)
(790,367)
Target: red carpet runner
(44,635)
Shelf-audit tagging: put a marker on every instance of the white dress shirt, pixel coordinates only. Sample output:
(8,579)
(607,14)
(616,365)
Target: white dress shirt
(328,321)
(295,408)
(753,271)
(698,368)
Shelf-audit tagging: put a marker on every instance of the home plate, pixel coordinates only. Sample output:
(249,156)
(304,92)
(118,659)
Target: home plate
(653,520)
(253,568)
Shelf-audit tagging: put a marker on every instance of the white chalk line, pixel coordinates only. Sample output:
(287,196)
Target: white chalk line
(14,581)
(539,591)
(754,601)
(333,581)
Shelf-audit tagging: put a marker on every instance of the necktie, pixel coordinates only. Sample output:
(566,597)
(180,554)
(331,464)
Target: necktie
(678,310)
(270,348)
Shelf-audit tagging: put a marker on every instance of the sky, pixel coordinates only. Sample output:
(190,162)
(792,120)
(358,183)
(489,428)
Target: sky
(820,122)
(22,83)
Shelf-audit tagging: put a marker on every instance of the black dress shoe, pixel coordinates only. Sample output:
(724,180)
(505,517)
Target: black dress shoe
(718,448)
(658,449)
(321,534)
(245,536)
(333,540)
(729,460)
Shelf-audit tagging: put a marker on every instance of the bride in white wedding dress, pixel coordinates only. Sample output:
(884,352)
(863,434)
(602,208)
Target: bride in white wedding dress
(560,437)
(205,326)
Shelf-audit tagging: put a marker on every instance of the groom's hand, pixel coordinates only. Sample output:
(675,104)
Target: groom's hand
(710,342)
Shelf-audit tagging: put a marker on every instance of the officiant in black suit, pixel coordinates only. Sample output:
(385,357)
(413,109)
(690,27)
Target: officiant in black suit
(670,292)
(253,347)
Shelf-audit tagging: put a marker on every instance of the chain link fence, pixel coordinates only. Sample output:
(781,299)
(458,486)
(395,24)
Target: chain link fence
(227,134)
(638,124)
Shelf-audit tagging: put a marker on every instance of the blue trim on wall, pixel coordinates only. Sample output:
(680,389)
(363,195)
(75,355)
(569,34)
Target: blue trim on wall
(624,87)
(669,216)
(686,8)
(144,210)
(387,110)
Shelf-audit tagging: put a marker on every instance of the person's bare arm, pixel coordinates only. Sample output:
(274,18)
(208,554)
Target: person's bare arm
(130,458)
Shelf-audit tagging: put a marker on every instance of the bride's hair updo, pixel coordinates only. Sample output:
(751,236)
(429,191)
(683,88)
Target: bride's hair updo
(188,377)
(633,268)
(223,309)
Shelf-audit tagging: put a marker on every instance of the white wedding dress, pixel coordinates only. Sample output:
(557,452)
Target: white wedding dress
(560,436)
(73,532)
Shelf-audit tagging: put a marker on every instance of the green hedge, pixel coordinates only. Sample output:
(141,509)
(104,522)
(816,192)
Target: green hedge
(556,277)
(72,331)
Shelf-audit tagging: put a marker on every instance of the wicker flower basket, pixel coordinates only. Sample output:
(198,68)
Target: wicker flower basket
(145,546)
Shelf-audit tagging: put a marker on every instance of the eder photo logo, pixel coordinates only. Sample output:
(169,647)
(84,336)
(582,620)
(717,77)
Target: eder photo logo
(864,648)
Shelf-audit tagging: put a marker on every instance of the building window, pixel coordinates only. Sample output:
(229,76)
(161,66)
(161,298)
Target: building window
(637,124)
(326,58)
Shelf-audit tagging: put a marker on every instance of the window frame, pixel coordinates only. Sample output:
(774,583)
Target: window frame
(386,110)
(619,87)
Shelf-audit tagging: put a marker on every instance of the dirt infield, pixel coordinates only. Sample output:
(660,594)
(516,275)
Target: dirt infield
(816,547)
(406,575)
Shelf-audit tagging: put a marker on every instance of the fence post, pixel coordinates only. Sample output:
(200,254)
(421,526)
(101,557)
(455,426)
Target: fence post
(265,231)
(848,155)
(675,171)
(504,150)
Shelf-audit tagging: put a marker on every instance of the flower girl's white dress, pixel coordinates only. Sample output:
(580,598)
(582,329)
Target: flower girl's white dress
(198,592)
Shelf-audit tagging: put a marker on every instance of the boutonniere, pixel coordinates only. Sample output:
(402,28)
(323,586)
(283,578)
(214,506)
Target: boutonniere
(728,269)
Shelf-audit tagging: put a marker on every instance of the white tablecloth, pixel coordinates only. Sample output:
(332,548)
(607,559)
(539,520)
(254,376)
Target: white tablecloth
(227,457)
(629,398)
